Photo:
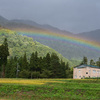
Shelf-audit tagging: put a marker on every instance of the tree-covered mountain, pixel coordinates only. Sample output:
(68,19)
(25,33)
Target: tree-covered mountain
(49,66)
(19,45)
(69,50)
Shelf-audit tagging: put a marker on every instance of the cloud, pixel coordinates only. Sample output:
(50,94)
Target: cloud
(72,15)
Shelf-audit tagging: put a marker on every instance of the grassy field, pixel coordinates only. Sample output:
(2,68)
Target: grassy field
(49,89)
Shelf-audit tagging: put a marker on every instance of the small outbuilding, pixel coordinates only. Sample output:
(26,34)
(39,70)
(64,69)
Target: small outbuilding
(83,71)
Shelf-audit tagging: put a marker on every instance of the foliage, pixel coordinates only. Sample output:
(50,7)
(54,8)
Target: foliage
(92,62)
(37,67)
(19,44)
(85,60)
(67,49)
(4,53)
(98,62)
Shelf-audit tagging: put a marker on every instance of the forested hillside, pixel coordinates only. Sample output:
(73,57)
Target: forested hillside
(49,66)
(69,50)
(28,59)
(19,45)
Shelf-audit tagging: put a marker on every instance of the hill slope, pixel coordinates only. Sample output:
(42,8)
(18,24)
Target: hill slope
(69,50)
(19,44)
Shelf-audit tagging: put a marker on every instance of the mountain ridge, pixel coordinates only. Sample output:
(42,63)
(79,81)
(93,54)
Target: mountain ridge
(44,26)
(92,35)
(69,51)
(11,24)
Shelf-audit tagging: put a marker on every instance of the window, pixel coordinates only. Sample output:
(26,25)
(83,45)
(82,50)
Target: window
(87,67)
(86,72)
(79,71)
(94,71)
(83,76)
(97,71)
(79,76)
(75,76)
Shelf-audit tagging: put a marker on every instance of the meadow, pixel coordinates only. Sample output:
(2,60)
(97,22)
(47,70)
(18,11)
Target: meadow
(49,89)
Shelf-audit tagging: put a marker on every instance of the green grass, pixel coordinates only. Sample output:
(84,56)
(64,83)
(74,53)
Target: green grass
(60,89)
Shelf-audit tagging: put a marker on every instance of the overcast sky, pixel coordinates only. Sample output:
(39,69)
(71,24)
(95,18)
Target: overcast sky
(71,15)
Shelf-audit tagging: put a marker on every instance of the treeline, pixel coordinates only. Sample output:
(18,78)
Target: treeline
(49,66)
(91,62)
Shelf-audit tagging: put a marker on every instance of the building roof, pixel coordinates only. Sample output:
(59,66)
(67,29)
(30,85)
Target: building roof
(83,66)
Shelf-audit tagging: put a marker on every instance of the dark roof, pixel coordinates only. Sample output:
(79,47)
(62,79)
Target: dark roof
(83,66)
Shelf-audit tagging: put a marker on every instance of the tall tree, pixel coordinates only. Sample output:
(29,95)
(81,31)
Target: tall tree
(32,59)
(32,64)
(63,69)
(98,62)
(36,61)
(4,53)
(85,60)
(92,62)
(55,66)
(48,60)
(35,66)
(25,62)
(24,66)
(11,67)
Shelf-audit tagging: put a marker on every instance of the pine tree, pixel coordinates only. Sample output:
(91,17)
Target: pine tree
(35,64)
(36,61)
(92,62)
(23,66)
(25,62)
(32,62)
(47,61)
(67,70)
(85,60)
(67,66)
(11,67)
(98,62)
(63,69)
(55,66)
(4,53)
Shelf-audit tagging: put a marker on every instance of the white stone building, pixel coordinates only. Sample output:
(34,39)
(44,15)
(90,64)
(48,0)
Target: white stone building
(83,71)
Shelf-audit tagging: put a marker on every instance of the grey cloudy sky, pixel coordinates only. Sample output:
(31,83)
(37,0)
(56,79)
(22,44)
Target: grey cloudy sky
(72,15)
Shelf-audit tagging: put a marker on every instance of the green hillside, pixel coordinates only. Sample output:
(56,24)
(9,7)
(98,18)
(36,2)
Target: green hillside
(19,44)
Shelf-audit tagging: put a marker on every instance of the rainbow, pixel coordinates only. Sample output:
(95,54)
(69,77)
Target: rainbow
(89,44)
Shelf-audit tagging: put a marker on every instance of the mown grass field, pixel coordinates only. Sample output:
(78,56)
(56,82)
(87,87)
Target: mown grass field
(49,89)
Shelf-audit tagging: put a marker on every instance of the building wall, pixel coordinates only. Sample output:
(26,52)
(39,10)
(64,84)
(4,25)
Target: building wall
(79,73)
